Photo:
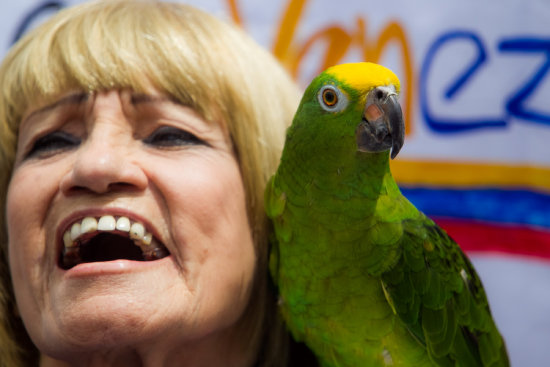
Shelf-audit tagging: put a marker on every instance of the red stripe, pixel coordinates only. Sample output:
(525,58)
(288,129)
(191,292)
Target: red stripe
(476,237)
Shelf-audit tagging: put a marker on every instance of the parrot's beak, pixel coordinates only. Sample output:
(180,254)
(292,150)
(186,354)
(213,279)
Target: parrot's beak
(382,127)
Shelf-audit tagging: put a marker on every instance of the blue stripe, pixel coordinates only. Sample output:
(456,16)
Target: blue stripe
(494,205)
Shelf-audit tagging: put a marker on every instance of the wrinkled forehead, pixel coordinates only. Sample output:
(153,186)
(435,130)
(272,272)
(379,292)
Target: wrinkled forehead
(86,99)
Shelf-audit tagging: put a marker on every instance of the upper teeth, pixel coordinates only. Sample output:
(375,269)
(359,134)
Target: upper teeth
(107,223)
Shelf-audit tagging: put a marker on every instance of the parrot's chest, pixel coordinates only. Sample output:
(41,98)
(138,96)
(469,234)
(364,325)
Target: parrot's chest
(332,250)
(329,296)
(329,300)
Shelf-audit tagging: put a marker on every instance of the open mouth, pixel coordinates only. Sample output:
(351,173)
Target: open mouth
(108,238)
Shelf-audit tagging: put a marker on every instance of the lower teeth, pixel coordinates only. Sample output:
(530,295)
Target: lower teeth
(70,257)
(155,254)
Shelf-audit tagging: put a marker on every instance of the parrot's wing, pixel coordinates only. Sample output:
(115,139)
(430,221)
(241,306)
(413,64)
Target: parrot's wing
(436,292)
(274,202)
(275,205)
(274,198)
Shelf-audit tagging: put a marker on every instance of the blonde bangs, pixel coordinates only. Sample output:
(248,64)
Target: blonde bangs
(103,47)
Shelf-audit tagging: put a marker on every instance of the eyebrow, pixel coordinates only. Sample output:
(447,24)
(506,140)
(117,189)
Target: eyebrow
(139,98)
(74,98)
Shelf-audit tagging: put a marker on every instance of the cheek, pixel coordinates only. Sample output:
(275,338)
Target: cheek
(26,207)
(208,213)
(205,196)
(28,197)
(212,202)
(21,212)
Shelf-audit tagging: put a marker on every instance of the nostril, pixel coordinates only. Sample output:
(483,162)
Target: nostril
(100,188)
(87,175)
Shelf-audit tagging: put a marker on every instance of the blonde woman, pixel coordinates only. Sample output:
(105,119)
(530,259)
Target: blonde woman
(136,138)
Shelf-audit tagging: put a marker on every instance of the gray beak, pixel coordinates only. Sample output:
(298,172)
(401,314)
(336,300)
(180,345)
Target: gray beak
(382,127)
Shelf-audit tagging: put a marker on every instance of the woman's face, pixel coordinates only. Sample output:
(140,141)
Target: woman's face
(104,181)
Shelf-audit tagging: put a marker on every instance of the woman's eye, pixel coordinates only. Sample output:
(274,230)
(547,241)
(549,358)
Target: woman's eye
(52,143)
(168,136)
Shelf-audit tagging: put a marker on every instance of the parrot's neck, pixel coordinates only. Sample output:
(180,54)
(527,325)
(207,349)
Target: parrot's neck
(332,180)
(356,172)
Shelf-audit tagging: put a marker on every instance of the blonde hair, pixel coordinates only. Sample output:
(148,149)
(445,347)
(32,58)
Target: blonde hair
(177,50)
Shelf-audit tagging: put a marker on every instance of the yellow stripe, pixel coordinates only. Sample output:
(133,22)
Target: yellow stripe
(470,174)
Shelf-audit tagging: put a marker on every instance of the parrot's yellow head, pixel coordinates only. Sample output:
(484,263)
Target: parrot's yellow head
(364,76)
(357,99)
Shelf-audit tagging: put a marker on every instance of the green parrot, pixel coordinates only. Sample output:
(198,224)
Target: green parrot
(364,278)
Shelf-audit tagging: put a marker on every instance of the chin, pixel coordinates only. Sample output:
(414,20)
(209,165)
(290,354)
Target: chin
(77,324)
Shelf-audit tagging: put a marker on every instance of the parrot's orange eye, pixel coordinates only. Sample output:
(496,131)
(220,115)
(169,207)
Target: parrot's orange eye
(330,97)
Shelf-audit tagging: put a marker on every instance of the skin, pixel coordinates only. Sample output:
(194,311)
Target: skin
(188,192)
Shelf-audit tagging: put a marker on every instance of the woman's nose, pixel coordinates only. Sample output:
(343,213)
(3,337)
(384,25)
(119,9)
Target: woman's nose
(101,166)
(106,161)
